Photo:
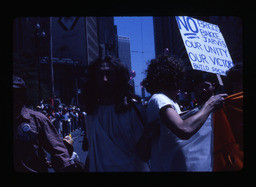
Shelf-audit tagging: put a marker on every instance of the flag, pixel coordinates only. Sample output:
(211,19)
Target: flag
(228,134)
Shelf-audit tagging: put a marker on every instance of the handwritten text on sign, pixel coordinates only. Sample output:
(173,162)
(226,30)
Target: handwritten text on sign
(205,45)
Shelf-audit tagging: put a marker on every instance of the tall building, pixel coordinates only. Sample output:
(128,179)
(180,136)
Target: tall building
(74,46)
(29,33)
(167,35)
(107,36)
(75,38)
(30,43)
(68,37)
(91,33)
(124,51)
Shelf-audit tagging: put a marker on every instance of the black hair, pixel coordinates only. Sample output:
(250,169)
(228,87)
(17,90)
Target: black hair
(234,79)
(163,74)
(235,73)
(124,89)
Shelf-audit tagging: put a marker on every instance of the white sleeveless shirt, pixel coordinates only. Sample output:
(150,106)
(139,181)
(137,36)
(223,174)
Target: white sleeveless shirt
(170,153)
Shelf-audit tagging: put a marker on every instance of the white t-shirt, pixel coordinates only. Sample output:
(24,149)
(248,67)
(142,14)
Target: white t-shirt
(169,153)
(112,140)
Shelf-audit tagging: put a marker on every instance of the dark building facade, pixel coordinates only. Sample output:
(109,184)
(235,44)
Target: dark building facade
(91,30)
(30,44)
(74,46)
(167,35)
(107,36)
(232,30)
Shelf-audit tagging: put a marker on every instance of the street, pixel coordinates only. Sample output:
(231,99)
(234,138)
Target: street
(78,140)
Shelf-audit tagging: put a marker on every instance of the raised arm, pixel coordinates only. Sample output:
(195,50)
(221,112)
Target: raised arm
(184,129)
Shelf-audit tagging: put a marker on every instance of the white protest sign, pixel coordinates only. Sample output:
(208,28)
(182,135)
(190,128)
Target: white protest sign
(205,45)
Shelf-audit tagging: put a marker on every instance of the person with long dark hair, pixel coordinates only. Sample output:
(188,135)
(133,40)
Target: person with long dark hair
(113,127)
(177,146)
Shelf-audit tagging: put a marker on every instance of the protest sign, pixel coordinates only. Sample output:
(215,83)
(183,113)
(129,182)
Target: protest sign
(205,45)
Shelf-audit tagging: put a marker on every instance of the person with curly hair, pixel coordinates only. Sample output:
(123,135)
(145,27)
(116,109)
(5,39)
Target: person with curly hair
(113,126)
(176,145)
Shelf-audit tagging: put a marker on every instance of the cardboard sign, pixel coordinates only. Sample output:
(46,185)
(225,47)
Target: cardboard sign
(205,45)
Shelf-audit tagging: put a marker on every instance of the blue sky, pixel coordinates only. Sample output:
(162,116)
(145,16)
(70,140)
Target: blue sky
(141,33)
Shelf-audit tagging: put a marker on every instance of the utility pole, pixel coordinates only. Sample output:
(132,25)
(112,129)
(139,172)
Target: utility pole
(39,35)
(51,64)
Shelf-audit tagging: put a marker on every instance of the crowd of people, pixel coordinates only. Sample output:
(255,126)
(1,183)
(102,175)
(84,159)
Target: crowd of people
(122,135)
(66,119)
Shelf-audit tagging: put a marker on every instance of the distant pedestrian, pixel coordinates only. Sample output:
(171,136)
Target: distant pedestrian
(57,120)
(74,119)
(113,126)
(82,122)
(65,122)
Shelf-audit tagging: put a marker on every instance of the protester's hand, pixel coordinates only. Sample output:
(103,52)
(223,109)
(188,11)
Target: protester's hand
(204,91)
(215,102)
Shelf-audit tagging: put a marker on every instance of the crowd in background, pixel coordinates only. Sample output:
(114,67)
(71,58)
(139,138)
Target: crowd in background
(66,119)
